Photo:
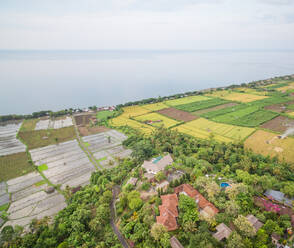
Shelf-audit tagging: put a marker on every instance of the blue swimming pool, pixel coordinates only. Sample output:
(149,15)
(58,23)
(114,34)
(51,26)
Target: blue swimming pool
(224,185)
(156,159)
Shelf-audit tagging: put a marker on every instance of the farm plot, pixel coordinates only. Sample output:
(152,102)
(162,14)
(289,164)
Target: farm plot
(185,100)
(124,121)
(29,200)
(236,96)
(287,87)
(252,91)
(194,106)
(223,106)
(9,144)
(157,120)
(82,119)
(133,111)
(279,124)
(67,164)
(155,106)
(107,146)
(268,144)
(281,107)
(55,124)
(205,129)
(177,114)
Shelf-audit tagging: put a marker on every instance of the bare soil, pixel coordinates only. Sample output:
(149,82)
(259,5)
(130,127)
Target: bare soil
(177,114)
(279,107)
(203,111)
(85,131)
(83,119)
(279,124)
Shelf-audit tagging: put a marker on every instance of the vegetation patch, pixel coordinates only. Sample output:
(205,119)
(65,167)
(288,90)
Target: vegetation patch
(42,167)
(133,111)
(157,120)
(40,183)
(28,125)
(203,111)
(14,165)
(155,106)
(40,138)
(105,115)
(268,144)
(177,114)
(4,207)
(194,106)
(186,100)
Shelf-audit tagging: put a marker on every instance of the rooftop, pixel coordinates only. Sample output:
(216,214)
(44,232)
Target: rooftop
(175,243)
(157,164)
(223,231)
(254,221)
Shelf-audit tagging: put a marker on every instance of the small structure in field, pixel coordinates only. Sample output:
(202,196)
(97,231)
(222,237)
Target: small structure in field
(223,232)
(168,212)
(254,221)
(157,164)
(175,243)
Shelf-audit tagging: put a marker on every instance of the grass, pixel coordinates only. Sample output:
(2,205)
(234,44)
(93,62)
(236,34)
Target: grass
(42,167)
(105,115)
(194,106)
(87,144)
(165,121)
(4,207)
(268,144)
(28,125)
(206,129)
(40,138)
(155,106)
(186,100)
(14,165)
(236,96)
(40,183)
(289,86)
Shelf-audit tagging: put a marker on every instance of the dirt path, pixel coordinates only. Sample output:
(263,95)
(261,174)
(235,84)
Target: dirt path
(115,192)
(84,148)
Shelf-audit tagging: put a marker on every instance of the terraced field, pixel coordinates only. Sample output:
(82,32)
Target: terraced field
(268,144)
(235,96)
(67,164)
(107,147)
(54,124)
(9,144)
(205,129)
(157,120)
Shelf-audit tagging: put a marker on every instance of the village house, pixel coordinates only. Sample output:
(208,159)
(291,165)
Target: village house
(163,185)
(168,212)
(279,197)
(175,243)
(207,209)
(157,164)
(133,181)
(254,221)
(223,232)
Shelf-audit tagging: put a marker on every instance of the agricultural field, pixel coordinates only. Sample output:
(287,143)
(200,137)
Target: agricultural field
(223,106)
(287,87)
(251,91)
(281,107)
(194,106)
(82,119)
(28,199)
(106,147)
(40,138)
(177,114)
(186,100)
(86,130)
(268,144)
(155,106)
(54,124)
(9,144)
(205,129)
(235,96)
(14,165)
(124,121)
(133,111)
(104,115)
(64,164)
(279,124)
(28,125)
(157,120)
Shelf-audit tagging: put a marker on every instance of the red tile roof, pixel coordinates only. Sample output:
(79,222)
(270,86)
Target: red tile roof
(193,193)
(168,212)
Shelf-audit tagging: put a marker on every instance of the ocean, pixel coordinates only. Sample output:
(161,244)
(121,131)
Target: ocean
(54,80)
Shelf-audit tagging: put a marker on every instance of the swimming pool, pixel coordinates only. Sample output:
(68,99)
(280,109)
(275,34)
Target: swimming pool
(224,185)
(157,159)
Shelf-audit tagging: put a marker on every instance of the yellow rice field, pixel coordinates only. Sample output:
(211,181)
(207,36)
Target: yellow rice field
(155,106)
(204,129)
(235,96)
(252,91)
(132,111)
(123,121)
(291,114)
(267,143)
(285,88)
(165,121)
(185,100)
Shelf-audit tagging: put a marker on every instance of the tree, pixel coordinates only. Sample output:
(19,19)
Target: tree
(142,150)
(232,208)
(235,241)
(244,226)
(271,226)
(188,213)
(160,176)
(157,231)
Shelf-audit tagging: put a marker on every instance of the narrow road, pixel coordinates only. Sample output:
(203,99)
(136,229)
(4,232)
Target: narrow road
(121,239)
(84,148)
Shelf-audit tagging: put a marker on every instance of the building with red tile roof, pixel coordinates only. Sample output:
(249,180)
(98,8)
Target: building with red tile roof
(168,212)
(207,209)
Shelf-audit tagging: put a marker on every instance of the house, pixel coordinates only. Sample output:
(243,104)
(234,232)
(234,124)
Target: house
(223,232)
(175,243)
(176,175)
(168,212)
(279,197)
(254,221)
(207,209)
(133,181)
(163,185)
(157,164)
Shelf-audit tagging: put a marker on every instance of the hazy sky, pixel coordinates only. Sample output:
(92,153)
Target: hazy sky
(147,24)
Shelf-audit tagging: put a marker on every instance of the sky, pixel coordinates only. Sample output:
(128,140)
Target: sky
(141,24)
